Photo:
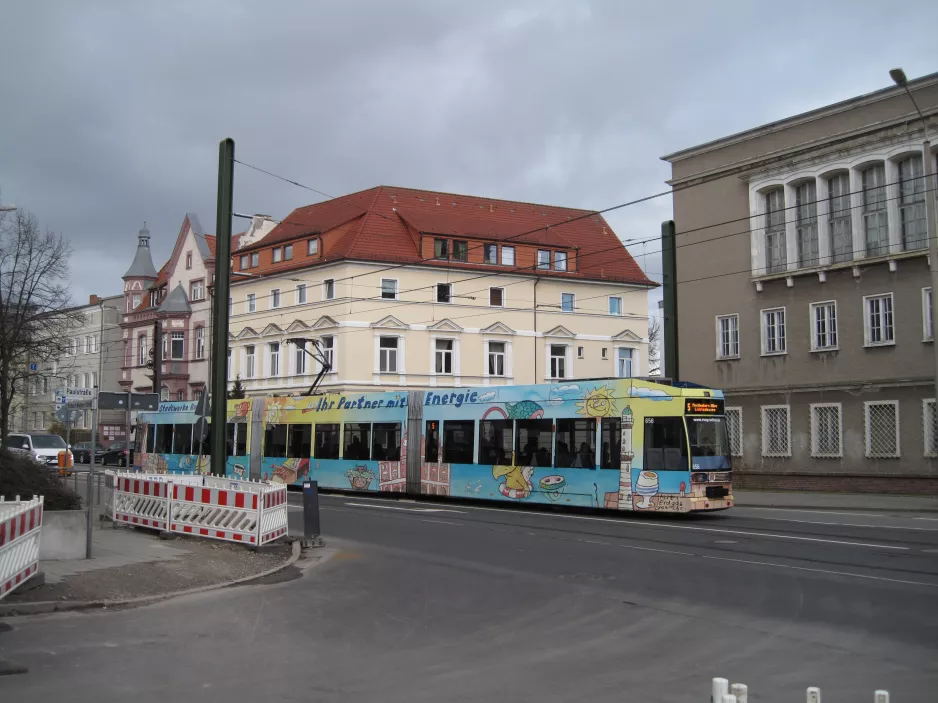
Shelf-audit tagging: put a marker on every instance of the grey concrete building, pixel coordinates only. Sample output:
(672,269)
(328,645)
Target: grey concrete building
(804,292)
(79,368)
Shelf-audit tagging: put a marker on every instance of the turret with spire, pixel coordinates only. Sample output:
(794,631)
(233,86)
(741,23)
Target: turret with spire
(141,274)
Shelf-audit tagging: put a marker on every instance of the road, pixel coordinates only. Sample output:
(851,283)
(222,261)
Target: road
(429,602)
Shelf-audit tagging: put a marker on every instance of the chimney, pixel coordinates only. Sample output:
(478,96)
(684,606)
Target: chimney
(93,299)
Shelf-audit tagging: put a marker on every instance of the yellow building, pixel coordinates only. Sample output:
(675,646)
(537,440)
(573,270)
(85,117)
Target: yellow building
(406,288)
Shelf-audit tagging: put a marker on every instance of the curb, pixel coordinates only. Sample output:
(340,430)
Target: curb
(52,606)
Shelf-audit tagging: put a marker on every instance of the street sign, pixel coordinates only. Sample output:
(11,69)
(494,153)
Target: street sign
(79,398)
(33,368)
(138,401)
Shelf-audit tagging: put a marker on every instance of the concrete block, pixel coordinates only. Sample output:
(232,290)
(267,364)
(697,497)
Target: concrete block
(63,534)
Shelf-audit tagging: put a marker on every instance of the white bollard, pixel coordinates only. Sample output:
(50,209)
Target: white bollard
(741,691)
(718,689)
(814,694)
(728,698)
(881,697)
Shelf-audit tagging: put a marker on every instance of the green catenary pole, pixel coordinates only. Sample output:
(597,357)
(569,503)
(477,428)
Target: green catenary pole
(219,388)
(669,269)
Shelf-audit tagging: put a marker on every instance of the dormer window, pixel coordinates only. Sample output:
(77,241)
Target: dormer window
(188,260)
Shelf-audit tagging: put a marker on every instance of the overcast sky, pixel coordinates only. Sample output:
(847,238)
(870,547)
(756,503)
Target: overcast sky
(111,112)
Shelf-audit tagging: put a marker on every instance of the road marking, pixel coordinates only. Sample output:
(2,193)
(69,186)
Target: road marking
(663,525)
(780,566)
(725,541)
(933,519)
(409,510)
(869,514)
(850,524)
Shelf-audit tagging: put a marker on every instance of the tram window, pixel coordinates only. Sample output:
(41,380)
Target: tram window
(576,444)
(299,444)
(164,439)
(241,446)
(275,441)
(458,441)
(533,442)
(151,438)
(387,441)
(432,440)
(182,439)
(611,435)
(205,447)
(665,444)
(327,441)
(495,441)
(357,441)
(230,430)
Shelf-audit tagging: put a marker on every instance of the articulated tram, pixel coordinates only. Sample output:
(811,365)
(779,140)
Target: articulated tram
(611,443)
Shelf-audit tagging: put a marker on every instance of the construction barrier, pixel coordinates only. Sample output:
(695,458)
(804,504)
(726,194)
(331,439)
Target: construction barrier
(249,512)
(722,692)
(20,529)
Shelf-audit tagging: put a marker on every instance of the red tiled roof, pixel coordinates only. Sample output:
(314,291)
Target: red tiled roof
(210,241)
(379,224)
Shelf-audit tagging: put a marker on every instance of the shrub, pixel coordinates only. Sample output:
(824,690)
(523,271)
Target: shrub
(21,476)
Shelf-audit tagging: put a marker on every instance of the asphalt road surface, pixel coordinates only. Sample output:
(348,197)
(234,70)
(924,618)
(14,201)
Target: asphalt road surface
(433,602)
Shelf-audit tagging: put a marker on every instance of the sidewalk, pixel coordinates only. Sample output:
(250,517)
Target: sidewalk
(132,564)
(835,501)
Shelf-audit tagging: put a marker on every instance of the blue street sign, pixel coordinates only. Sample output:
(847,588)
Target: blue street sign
(33,367)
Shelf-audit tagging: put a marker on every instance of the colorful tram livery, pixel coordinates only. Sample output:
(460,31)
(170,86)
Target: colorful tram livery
(618,444)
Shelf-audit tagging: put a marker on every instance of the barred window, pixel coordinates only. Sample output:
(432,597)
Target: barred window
(882,429)
(734,430)
(930,427)
(826,430)
(776,430)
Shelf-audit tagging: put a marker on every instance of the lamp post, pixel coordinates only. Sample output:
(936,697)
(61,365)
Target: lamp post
(898,76)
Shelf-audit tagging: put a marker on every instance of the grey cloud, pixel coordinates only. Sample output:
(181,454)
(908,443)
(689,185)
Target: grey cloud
(114,110)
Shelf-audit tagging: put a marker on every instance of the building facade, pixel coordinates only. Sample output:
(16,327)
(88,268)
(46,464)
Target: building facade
(87,353)
(407,288)
(803,291)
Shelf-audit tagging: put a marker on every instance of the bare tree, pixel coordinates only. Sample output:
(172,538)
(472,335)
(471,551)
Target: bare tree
(34,301)
(654,345)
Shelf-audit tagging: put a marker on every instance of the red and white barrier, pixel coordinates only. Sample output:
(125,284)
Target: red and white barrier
(20,530)
(249,512)
(273,514)
(140,501)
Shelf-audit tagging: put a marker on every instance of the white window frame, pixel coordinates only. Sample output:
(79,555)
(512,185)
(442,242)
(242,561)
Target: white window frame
(385,357)
(488,356)
(274,356)
(618,298)
(632,362)
(228,367)
(927,335)
(817,453)
(312,247)
(436,294)
(763,328)
(867,331)
(491,304)
(329,353)
(301,294)
(867,435)
(739,411)
(394,293)
(511,255)
(719,336)
(561,260)
(452,352)
(812,325)
(765,434)
(300,361)
(174,336)
(288,252)
(485,251)
(250,361)
(274,298)
(928,428)
(250,302)
(567,365)
(197,289)
(200,342)
(325,289)
(142,350)
(573,307)
(579,352)
(276,255)
(543,265)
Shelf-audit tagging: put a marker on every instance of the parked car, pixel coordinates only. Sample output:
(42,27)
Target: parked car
(44,448)
(82,452)
(117,454)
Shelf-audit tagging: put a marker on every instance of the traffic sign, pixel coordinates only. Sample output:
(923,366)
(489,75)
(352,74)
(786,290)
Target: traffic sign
(68,415)
(33,367)
(108,400)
